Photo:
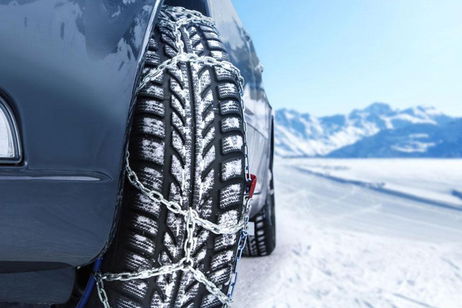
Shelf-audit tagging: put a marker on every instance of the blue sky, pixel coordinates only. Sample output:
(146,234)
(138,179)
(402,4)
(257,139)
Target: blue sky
(330,56)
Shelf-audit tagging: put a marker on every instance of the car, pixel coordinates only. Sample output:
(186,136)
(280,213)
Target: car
(136,145)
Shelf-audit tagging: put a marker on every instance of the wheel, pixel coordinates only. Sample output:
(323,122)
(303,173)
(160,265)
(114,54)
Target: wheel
(187,143)
(263,240)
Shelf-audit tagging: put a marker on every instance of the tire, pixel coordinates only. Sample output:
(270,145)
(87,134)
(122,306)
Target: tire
(263,241)
(187,142)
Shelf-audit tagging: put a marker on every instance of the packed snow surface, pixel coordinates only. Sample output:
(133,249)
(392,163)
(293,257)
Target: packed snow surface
(432,179)
(342,244)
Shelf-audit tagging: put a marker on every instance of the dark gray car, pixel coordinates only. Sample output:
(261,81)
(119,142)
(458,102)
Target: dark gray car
(129,167)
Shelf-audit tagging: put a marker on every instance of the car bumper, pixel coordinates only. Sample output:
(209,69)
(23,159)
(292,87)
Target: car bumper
(63,218)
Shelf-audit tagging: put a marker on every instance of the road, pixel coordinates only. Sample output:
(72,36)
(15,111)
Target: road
(342,245)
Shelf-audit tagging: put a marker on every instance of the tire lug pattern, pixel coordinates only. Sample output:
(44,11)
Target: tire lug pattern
(186,142)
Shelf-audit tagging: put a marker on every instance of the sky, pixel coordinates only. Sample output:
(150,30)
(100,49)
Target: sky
(331,56)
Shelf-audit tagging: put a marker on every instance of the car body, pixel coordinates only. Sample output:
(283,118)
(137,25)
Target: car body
(68,73)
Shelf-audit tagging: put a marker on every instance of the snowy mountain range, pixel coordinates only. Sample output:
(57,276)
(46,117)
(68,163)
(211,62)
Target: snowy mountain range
(375,131)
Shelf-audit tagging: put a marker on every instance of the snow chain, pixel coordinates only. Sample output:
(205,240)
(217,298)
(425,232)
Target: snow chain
(191,216)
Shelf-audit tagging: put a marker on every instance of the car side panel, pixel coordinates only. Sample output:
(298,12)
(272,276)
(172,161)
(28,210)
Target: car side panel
(67,70)
(258,112)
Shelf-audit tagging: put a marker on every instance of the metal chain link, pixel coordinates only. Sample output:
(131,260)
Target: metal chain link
(184,57)
(191,216)
(227,228)
(190,58)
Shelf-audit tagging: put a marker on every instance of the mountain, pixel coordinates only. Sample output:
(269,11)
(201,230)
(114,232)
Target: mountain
(418,140)
(375,131)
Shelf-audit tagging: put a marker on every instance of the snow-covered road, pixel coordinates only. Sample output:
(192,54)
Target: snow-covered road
(343,245)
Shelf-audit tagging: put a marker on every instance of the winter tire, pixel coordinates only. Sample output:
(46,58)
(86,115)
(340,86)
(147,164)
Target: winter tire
(187,142)
(262,242)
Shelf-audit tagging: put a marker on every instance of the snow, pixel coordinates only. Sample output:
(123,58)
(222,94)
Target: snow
(414,143)
(232,143)
(414,146)
(231,169)
(230,123)
(345,245)
(301,134)
(432,179)
(412,118)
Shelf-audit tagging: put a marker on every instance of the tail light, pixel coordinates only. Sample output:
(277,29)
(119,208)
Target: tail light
(10,149)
